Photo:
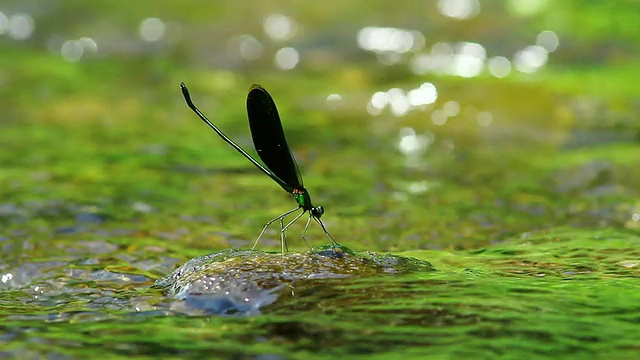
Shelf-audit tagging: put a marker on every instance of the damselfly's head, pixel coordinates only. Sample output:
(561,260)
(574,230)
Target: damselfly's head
(317,211)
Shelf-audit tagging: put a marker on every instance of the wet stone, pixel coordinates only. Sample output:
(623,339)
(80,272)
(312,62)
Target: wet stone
(242,281)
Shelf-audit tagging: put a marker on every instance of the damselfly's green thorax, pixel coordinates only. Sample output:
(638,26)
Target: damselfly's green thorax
(304,200)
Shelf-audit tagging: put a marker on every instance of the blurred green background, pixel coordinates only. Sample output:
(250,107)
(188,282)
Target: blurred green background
(527,117)
(449,125)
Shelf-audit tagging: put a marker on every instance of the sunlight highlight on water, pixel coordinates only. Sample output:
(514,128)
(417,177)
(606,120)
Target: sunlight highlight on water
(398,101)
(245,46)
(549,40)
(334,97)
(378,102)
(74,50)
(463,59)
(412,144)
(451,108)
(4,23)
(287,58)
(6,277)
(468,60)
(459,9)
(88,44)
(527,7)
(389,40)
(152,29)
(401,102)
(71,50)
(333,101)
(499,66)
(280,27)
(439,117)
(424,95)
(484,118)
(531,59)
(21,26)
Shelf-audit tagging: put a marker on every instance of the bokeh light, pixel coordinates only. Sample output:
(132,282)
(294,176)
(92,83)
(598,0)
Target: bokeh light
(287,58)
(420,64)
(398,101)
(499,66)
(412,144)
(531,59)
(88,44)
(548,40)
(6,277)
(246,46)
(484,118)
(469,60)
(459,9)
(527,7)
(439,117)
(451,108)
(463,59)
(152,29)
(333,101)
(72,50)
(389,40)
(21,26)
(4,23)
(401,102)
(334,97)
(424,95)
(378,102)
(279,27)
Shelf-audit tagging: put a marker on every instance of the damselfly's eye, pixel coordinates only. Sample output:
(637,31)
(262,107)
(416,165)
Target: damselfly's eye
(317,211)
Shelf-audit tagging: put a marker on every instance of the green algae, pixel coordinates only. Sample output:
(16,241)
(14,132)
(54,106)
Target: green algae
(244,282)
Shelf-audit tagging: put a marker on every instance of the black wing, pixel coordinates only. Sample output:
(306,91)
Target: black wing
(268,137)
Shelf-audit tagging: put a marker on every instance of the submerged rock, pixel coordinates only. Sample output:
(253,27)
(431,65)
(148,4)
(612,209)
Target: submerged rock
(242,281)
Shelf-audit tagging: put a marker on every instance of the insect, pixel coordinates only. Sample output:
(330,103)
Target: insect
(279,163)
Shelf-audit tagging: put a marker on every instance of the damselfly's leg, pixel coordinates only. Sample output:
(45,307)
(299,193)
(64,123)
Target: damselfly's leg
(333,242)
(269,223)
(304,232)
(283,236)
